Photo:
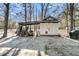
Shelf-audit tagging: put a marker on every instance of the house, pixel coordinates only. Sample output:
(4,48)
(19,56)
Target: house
(48,26)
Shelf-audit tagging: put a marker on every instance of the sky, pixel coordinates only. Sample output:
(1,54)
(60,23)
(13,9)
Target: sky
(18,8)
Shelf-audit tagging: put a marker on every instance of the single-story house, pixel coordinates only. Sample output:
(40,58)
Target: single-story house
(47,26)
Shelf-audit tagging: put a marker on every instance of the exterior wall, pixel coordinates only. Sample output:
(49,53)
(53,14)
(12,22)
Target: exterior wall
(34,27)
(51,28)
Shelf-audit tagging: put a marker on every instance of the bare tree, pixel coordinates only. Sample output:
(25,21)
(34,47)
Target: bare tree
(6,19)
(71,16)
(46,10)
(42,10)
(36,18)
(25,12)
(26,15)
(66,12)
(30,11)
(67,16)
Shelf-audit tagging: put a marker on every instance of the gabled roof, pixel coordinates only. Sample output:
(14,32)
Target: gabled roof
(46,20)
(53,18)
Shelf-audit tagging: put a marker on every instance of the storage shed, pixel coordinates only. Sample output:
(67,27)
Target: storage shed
(48,26)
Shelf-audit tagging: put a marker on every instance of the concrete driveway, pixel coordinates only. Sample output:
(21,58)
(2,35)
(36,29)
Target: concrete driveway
(51,46)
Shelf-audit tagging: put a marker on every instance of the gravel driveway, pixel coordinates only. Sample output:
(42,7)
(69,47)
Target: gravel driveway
(53,46)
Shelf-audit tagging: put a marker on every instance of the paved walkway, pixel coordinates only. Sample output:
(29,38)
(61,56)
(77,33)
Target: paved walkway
(56,46)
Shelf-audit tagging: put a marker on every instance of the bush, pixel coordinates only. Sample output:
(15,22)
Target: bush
(74,35)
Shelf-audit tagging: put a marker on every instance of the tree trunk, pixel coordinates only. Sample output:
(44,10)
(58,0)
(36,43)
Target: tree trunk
(25,13)
(71,16)
(25,16)
(6,19)
(46,9)
(36,18)
(30,14)
(67,17)
(42,11)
